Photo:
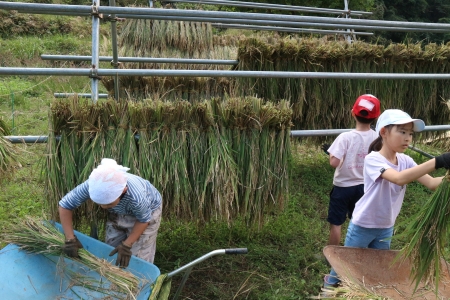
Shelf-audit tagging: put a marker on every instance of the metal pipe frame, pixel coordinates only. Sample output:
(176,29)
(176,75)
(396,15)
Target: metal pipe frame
(276,7)
(332,132)
(285,23)
(80,95)
(219,73)
(287,29)
(95,50)
(294,133)
(115,60)
(81,9)
(299,24)
(144,59)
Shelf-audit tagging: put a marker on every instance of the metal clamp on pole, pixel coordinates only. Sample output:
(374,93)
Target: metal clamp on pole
(110,18)
(116,65)
(94,73)
(94,11)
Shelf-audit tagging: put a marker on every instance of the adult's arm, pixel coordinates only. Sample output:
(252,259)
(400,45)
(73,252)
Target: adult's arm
(136,232)
(66,216)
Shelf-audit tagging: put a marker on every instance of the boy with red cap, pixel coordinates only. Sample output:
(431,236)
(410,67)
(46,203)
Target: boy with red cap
(134,211)
(347,156)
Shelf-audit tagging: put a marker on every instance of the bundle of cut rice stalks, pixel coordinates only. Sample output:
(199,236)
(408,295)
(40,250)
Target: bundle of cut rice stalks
(41,237)
(9,154)
(350,288)
(428,235)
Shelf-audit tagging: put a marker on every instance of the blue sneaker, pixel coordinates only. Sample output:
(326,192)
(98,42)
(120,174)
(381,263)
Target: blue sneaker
(330,281)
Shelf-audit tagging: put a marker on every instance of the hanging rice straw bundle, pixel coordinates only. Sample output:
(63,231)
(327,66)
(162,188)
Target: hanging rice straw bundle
(9,154)
(428,236)
(41,237)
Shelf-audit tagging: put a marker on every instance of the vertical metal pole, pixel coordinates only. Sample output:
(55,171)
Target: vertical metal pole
(115,61)
(150,3)
(347,15)
(13,128)
(95,50)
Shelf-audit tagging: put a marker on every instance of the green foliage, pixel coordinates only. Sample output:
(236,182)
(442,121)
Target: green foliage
(20,24)
(11,87)
(22,193)
(430,11)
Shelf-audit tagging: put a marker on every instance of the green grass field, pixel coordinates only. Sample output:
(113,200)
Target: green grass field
(283,261)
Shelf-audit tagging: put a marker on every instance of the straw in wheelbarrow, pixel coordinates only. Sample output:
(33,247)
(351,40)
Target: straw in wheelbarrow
(41,237)
(428,234)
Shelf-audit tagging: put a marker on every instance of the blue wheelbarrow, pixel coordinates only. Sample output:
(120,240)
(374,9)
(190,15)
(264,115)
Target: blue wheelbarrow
(35,276)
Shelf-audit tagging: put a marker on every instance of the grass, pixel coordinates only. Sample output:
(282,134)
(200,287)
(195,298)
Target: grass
(283,260)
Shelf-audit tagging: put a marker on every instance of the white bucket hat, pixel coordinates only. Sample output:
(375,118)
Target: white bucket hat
(397,117)
(107,181)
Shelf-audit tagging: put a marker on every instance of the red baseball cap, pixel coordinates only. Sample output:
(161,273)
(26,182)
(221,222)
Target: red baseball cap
(367,106)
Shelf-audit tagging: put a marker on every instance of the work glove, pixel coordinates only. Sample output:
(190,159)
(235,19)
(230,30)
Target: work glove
(123,255)
(70,247)
(325,148)
(442,161)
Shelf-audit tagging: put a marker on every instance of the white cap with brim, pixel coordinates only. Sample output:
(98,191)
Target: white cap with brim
(397,117)
(107,181)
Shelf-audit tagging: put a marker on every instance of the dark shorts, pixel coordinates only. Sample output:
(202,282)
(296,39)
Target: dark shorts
(342,203)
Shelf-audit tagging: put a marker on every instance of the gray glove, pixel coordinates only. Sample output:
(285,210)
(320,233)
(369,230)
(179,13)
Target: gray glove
(71,247)
(123,255)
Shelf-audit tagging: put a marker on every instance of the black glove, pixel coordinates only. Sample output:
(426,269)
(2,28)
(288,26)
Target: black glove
(123,255)
(325,148)
(70,247)
(442,161)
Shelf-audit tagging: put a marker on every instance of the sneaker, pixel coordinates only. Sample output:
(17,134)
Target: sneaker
(329,281)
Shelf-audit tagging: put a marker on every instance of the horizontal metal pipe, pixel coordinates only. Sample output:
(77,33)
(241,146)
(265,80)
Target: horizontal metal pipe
(323,132)
(276,6)
(45,71)
(331,132)
(143,59)
(29,139)
(219,73)
(277,23)
(285,23)
(50,8)
(287,29)
(268,22)
(294,133)
(67,95)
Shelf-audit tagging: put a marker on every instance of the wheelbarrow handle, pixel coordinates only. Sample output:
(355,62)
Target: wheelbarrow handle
(188,267)
(236,251)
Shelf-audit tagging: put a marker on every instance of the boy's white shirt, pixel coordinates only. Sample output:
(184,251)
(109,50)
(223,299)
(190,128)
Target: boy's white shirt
(350,148)
(382,199)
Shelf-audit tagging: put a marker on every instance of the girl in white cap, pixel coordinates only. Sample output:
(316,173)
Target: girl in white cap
(134,207)
(387,171)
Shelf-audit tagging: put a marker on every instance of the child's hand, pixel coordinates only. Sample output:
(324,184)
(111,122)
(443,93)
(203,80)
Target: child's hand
(442,161)
(325,148)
